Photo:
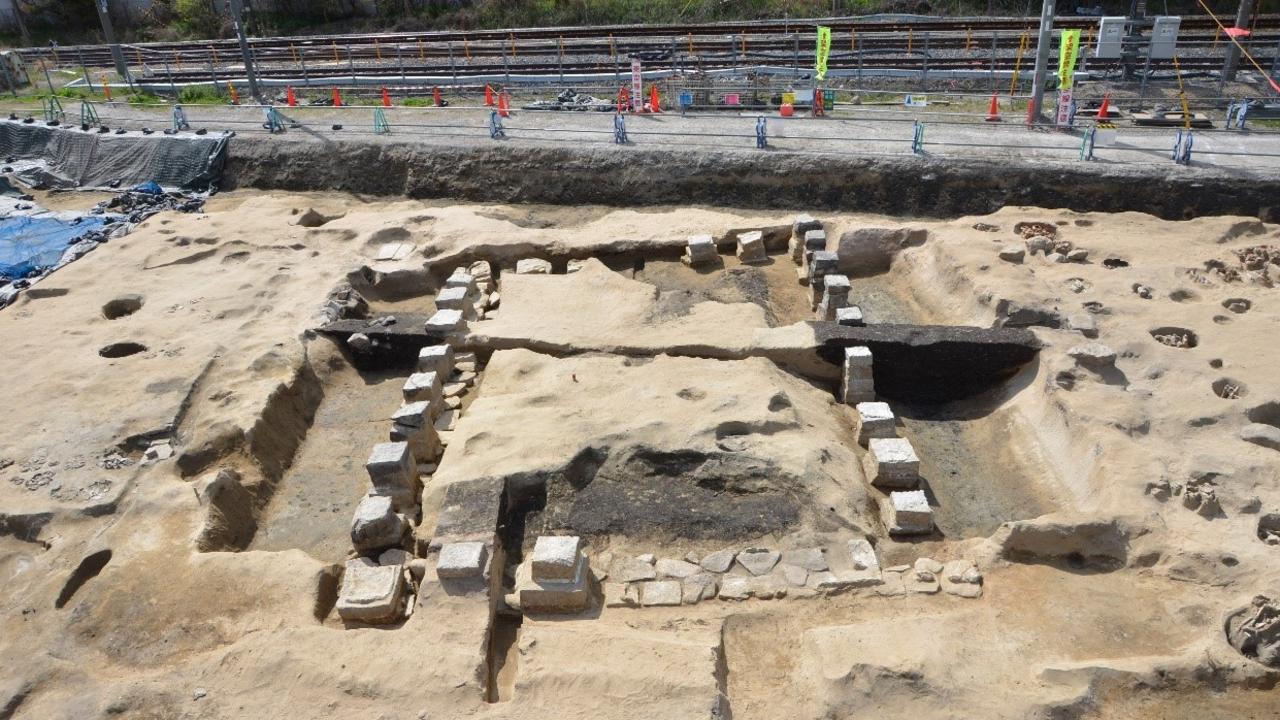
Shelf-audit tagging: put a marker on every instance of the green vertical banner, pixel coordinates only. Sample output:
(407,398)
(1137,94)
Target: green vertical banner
(822,51)
(1067,52)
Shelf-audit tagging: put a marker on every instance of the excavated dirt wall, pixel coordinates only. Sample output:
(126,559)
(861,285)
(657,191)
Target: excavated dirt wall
(926,187)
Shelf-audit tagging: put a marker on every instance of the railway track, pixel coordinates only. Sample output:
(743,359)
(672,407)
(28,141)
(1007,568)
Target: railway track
(615,41)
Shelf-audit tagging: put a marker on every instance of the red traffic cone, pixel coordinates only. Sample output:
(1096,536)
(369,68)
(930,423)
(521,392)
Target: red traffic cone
(654,104)
(488,95)
(337,98)
(1106,105)
(818,109)
(386,99)
(290,98)
(435,95)
(504,104)
(993,112)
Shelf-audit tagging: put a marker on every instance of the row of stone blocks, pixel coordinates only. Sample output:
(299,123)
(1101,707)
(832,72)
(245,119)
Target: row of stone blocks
(891,463)
(700,250)
(374,590)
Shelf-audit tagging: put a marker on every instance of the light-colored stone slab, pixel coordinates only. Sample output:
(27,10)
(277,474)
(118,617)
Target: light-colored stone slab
(875,420)
(719,561)
(462,560)
(370,592)
(811,559)
(735,587)
(660,593)
(422,386)
(696,588)
(533,266)
(557,557)
(679,569)
(376,524)
(758,561)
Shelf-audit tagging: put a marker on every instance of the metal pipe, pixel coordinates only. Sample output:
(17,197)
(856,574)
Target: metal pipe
(1043,45)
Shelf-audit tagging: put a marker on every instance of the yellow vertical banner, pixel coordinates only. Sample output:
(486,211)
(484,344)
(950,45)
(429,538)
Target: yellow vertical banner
(822,51)
(1067,52)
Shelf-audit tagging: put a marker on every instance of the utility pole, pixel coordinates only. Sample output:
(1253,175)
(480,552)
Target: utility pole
(1034,110)
(110,36)
(1232,60)
(237,20)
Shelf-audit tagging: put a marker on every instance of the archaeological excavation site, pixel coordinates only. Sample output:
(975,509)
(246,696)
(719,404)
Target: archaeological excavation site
(389,430)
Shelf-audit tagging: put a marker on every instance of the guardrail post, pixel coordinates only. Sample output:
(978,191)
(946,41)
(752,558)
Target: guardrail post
(1086,143)
(88,115)
(380,126)
(180,119)
(762,130)
(620,129)
(496,131)
(53,112)
(1182,143)
(273,123)
(917,138)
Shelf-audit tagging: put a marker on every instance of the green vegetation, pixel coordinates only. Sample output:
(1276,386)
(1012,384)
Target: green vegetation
(201,95)
(418,102)
(144,98)
(74,21)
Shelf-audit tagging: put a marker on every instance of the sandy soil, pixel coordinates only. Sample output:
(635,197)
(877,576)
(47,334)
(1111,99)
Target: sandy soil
(1104,589)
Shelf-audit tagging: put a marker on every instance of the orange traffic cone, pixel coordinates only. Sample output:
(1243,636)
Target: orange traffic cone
(106,89)
(993,113)
(435,95)
(290,98)
(337,98)
(654,104)
(624,99)
(386,99)
(235,96)
(488,95)
(1106,105)
(504,104)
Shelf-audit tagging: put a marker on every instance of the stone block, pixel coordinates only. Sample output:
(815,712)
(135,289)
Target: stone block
(445,322)
(557,557)
(811,559)
(875,420)
(719,561)
(850,315)
(393,472)
(908,513)
(376,525)
(679,569)
(462,560)
(736,587)
(795,575)
(856,384)
(423,440)
(437,359)
(633,570)
(758,561)
(892,463)
(461,279)
(701,250)
(482,271)
(533,266)
(661,593)
(456,298)
(423,386)
(815,240)
(696,588)
(558,596)
(371,593)
(862,556)
(821,264)
(751,247)
(415,414)
(469,512)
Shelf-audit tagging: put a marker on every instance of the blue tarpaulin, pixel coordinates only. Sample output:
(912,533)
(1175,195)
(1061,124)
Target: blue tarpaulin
(31,244)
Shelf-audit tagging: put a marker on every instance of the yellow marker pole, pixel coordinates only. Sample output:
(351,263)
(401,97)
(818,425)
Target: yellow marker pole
(513,44)
(968,39)
(613,47)
(1017,63)
(910,38)
(421,53)
(106,89)
(1182,95)
(561,47)
(853,39)
(137,52)
(377,49)
(335,53)
(744,44)
(466,48)
(215,53)
(1217,34)
(293,49)
(178,56)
